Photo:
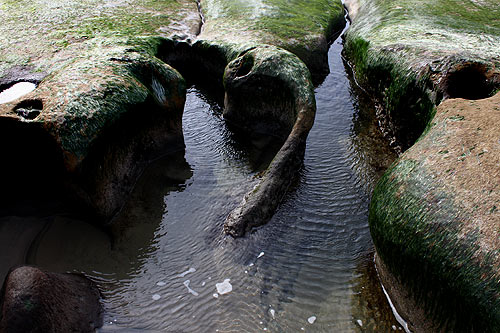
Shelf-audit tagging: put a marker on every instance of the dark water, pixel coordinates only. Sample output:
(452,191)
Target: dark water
(159,264)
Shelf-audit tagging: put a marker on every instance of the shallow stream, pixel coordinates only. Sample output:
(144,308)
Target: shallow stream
(309,269)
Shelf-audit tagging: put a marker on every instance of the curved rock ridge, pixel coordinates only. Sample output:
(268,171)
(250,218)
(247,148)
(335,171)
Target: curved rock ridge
(267,88)
(434,69)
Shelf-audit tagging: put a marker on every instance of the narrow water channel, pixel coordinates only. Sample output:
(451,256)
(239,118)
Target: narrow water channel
(309,269)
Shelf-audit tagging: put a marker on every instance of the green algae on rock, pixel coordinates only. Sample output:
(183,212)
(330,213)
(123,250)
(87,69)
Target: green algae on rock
(433,215)
(103,105)
(303,28)
(405,53)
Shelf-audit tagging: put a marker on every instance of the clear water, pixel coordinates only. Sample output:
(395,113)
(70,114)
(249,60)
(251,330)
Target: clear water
(309,269)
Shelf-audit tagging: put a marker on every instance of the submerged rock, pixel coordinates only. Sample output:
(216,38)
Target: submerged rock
(433,215)
(37,301)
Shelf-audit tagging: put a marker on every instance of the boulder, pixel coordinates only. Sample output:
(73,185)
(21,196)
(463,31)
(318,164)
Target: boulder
(34,300)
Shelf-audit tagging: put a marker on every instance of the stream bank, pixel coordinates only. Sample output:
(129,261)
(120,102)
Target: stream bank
(433,68)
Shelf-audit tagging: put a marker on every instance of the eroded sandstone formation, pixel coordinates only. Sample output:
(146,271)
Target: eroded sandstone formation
(433,68)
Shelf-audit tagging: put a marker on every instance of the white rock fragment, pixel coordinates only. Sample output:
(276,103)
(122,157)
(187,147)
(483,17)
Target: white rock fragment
(250,265)
(260,255)
(272,312)
(17,90)
(215,295)
(224,287)
(156,297)
(360,323)
(203,284)
(160,284)
(311,319)
(394,328)
(191,270)
(186,283)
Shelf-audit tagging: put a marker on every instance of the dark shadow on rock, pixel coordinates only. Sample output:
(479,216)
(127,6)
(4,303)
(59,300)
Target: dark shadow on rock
(31,165)
(469,80)
(69,244)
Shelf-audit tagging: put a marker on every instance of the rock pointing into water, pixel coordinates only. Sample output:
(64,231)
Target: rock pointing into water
(37,301)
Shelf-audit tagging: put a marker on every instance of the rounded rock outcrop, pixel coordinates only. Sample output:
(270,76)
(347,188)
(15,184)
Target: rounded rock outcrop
(34,300)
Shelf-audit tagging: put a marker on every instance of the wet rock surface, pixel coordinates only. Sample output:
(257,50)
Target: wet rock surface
(37,301)
(433,215)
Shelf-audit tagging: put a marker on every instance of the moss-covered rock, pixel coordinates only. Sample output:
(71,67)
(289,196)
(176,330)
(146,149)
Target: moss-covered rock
(435,220)
(433,215)
(412,54)
(303,28)
(269,90)
(265,88)
(104,105)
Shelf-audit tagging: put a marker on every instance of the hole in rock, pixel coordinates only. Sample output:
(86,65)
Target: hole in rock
(29,109)
(15,91)
(469,82)
(246,64)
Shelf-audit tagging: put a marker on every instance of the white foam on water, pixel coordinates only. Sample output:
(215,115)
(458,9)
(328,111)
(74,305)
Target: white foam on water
(186,283)
(311,319)
(16,91)
(399,319)
(260,255)
(160,284)
(156,297)
(191,270)
(224,287)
